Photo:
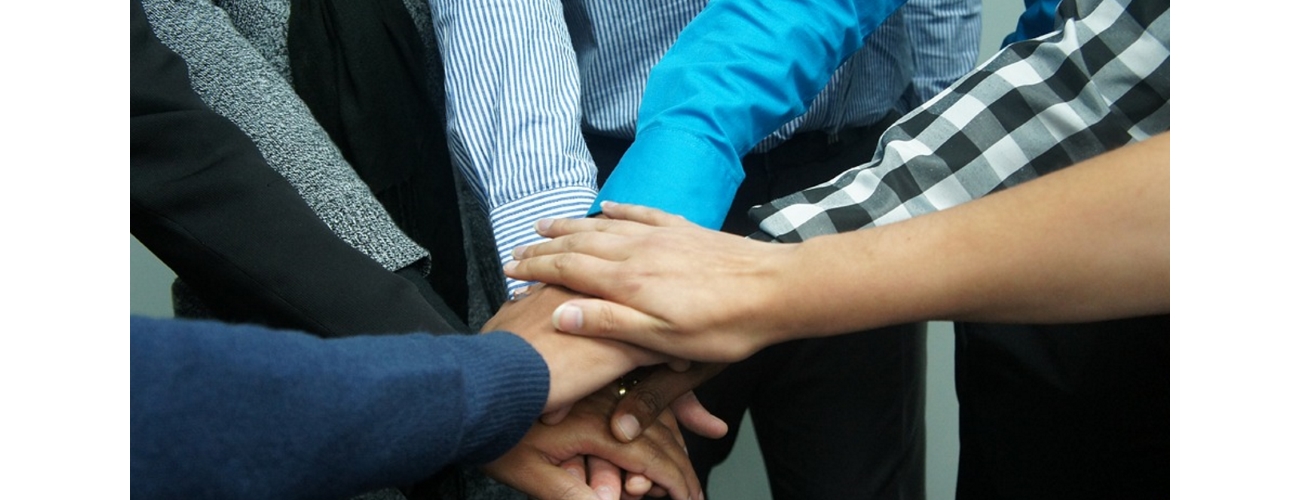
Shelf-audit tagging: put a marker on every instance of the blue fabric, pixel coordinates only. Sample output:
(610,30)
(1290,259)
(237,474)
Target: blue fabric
(225,411)
(737,72)
(1038,19)
(527,78)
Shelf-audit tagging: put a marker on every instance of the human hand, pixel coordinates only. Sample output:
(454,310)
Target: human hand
(578,366)
(543,464)
(652,390)
(667,285)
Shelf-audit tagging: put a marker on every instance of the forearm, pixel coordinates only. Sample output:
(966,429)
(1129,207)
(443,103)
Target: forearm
(738,72)
(233,77)
(247,412)
(204,200)
(1087,243)
(513,117)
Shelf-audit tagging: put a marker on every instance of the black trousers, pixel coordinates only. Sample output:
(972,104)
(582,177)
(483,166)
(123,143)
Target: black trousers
(836,418)
(1078,411)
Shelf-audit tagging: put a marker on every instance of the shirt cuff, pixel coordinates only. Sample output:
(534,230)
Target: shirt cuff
(513,223)
(677,172)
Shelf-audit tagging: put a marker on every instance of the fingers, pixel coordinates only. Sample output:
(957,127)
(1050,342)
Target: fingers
(554,228)
(539,478)
(656,391)
(580,272)
(605,478)
(694,416)
(557,416)
(576,467)
(642,214)
(657,455)
(604,319)
(637,486)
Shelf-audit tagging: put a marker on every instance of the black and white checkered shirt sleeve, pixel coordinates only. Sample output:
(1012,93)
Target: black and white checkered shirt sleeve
(1101,81)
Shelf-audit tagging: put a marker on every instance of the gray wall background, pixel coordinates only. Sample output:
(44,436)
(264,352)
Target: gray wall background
(741,477)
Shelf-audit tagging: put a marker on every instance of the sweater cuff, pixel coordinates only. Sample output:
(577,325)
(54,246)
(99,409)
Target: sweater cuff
(511,387)
(677,172)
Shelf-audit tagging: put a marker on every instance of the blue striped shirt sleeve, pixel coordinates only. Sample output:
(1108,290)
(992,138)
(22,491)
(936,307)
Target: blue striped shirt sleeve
(945,37)
(513,117)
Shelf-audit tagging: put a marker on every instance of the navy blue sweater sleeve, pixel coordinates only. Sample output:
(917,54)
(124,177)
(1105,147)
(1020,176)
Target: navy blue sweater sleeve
(225,411)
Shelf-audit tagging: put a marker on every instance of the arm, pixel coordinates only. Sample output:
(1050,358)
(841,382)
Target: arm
(223,411)
(513,118)
(193,173)
(1087,243)
(238,67)
(1034,108)
(736,73)
(375,411)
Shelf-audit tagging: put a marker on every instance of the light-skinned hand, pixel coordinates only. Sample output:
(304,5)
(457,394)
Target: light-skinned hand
(666,284)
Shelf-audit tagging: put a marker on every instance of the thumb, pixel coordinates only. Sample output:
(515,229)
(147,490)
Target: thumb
(605,319)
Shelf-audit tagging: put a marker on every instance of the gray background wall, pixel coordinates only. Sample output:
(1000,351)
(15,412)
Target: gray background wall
(742,476)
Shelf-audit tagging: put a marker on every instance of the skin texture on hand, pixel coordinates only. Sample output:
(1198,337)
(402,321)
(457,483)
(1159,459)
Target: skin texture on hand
(538,465)
(657,395)
(660,388)
(666,283)
(578,365)
(1088,243)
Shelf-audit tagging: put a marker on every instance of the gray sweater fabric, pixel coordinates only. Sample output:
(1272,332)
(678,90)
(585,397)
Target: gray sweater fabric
(237,55)
(248,83)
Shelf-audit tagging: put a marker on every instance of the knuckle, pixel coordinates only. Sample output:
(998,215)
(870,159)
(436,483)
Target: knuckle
(649,403)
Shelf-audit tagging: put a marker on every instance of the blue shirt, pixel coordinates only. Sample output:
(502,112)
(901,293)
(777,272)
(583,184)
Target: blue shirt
(526,78)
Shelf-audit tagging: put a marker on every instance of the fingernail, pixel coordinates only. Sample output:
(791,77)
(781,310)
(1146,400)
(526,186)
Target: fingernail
(543,225)
(607,204)
(638,482)
(605,493)
(629,426)
(510,266)
(574,472)
(567,318)
(517,253)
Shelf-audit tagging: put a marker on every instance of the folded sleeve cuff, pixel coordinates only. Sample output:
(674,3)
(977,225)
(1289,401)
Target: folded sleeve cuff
(677,172)
(512,223)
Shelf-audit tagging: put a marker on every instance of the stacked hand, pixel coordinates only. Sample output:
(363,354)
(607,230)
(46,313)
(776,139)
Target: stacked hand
(549,462)
(660,279)
(552,462)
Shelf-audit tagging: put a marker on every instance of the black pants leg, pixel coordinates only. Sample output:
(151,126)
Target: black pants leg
(1064,411)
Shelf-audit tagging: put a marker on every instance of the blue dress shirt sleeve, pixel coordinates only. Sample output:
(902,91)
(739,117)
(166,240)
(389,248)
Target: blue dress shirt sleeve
(739,71)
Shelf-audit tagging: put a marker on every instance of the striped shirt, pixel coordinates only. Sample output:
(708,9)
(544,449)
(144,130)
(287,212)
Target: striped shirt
(526,78)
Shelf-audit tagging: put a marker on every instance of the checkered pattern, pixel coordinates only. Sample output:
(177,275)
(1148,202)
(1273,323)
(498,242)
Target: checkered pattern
(1098,83)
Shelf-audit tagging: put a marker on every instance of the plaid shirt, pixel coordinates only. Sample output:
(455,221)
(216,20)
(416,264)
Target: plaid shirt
(1101,81)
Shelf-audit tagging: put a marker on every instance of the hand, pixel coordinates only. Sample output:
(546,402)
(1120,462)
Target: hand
(669,285)
(534,465)
(578,365)
(643,405)
(661,388)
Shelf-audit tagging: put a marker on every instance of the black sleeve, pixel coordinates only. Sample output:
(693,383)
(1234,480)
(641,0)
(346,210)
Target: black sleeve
(205,202)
